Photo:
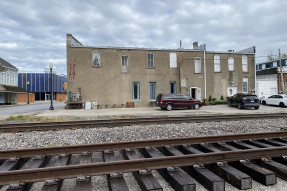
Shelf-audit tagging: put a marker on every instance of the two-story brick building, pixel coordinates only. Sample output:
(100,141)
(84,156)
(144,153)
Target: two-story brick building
(114,76)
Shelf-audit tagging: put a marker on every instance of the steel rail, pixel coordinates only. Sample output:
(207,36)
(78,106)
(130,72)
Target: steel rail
(121,122)
(71,149)
(41,174)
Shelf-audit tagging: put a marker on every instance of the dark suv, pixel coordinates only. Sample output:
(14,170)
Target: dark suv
(170,101)
(244,100)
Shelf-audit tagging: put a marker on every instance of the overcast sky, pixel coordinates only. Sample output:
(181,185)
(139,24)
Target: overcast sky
(33,32)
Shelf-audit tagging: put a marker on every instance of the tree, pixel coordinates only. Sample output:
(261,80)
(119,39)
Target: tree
(272,57)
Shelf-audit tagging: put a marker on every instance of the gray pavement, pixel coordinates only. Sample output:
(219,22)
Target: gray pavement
(155,111)
(25,109)
(42,109)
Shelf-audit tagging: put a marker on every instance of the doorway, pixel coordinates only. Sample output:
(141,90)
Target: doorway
(195,93)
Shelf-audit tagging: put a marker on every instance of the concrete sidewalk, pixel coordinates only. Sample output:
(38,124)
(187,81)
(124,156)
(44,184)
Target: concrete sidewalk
(155,111)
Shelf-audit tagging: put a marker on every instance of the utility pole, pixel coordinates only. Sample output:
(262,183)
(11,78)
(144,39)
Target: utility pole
(281,75)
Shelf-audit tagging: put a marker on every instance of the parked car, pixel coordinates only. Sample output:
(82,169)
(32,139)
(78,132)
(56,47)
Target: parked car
(170,101)
(279,100)
(241,100)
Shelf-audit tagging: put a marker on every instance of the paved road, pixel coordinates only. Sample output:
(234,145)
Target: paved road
(37,107)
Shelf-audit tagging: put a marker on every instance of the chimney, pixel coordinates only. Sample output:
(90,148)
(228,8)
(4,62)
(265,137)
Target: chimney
(195,45)
(180,44)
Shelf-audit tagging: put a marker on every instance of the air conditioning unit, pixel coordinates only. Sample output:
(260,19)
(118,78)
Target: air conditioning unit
(88,105)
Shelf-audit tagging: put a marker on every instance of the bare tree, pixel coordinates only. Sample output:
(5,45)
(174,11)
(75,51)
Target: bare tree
(272,57)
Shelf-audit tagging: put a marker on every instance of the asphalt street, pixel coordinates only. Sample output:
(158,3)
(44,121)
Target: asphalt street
(37,108)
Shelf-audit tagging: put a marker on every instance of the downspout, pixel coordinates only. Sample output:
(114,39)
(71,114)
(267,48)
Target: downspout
(255,78)
(254,48)
(204,68)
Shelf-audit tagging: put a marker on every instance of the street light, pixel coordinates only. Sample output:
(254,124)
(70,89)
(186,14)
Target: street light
(51,68)
(28,92)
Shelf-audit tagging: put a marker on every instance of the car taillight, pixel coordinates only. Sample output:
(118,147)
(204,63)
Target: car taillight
(160,100)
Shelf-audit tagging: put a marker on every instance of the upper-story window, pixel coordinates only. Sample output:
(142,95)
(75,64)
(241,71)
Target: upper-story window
(230,64)
(125,64)
(96,58)
(197,65)
(172,60)
(1,78)
(13,80)
(217,63)
(244,64)
(150,61)
(8,79)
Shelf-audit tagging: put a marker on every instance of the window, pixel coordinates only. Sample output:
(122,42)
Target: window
(172,60)
(197,65)
(136,91)
(216,63)
(8,79)
(245,85)
(150,63)
(173,87)
(244,64)
(13,80)
(96,58)
(257,67)
(1,78)
(230,64)
(125,64)
(125,61)
(152,90)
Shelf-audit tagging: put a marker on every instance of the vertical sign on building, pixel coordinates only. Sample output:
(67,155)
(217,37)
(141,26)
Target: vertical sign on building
(72,69)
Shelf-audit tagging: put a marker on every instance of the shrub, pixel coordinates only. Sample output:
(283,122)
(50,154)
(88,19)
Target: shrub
(219,101)
(221,98)
(213,99)
(210,98)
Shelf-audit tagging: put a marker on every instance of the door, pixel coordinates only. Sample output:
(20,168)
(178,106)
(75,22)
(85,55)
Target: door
(195,93)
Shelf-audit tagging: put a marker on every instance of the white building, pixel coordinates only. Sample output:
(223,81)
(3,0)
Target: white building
(8,83)
(268,78)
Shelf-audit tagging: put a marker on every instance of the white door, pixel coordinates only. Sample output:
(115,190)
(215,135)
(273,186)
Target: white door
(198,93)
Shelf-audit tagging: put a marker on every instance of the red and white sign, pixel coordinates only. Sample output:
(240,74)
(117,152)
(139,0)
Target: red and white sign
(72,69)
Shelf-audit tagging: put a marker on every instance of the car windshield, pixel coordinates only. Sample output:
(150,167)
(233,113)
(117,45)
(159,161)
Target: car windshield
(186,97)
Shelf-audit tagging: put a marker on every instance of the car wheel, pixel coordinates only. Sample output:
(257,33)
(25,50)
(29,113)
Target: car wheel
(169,107)
(256,107)
(263,102)
(229,104)
(196,106)
(281,104)
(239,106)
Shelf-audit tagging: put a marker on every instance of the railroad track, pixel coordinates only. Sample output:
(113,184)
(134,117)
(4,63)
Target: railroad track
(26,127)
(211,160)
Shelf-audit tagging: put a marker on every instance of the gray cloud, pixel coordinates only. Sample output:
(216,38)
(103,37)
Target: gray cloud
(33,32)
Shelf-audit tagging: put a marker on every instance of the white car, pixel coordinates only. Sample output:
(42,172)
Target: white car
(280,100)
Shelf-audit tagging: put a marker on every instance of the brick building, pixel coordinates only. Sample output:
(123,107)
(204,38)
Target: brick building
(116,77)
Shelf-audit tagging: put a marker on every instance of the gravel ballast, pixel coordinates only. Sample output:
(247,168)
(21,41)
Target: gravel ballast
(141,132)
(137,132)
